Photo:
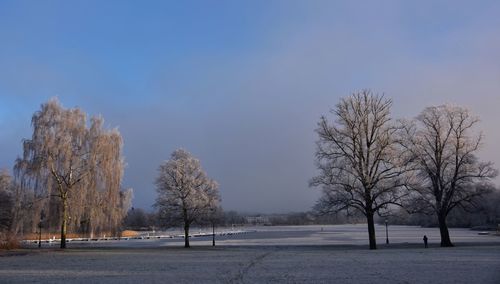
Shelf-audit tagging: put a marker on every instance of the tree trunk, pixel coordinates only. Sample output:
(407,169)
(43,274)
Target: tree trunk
(371,230)
(64,221)
(186,235)
(443,230)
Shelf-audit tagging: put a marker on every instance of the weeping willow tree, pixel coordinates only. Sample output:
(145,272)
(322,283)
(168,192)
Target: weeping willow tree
(71,169)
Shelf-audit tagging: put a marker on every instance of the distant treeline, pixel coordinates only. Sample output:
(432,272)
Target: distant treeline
(139,219)
(487,214)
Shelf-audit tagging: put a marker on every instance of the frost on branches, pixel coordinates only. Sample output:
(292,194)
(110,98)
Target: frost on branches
(185,193)
(71,170)
(444,146)
(359,159)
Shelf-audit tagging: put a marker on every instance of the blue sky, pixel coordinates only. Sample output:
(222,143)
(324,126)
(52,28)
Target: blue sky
(241,84)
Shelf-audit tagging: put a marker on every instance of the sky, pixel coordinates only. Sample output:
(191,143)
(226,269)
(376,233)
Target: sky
(241,84)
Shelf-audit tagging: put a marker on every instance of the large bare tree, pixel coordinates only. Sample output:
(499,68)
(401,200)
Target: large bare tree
(444,144)
(74,169)
(359,159)
(185,193)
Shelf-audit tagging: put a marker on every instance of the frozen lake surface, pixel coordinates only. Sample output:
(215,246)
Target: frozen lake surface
(297,235)
(303,254)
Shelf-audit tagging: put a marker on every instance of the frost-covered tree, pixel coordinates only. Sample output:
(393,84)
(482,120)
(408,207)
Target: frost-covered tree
(444,145)
(185,193)
(359,159)
(72,169)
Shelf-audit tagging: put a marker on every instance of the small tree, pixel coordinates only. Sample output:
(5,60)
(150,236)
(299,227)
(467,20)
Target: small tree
(361,166)
(449,174)
(185,193)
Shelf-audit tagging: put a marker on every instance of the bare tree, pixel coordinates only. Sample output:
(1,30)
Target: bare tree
(185,193)
(6,202)
(358,155)
(449,174)
(73,170)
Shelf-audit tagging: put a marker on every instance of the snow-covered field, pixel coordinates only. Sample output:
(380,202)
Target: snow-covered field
(312,254)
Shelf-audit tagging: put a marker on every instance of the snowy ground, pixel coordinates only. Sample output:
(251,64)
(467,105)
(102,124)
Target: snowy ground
(313,254)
